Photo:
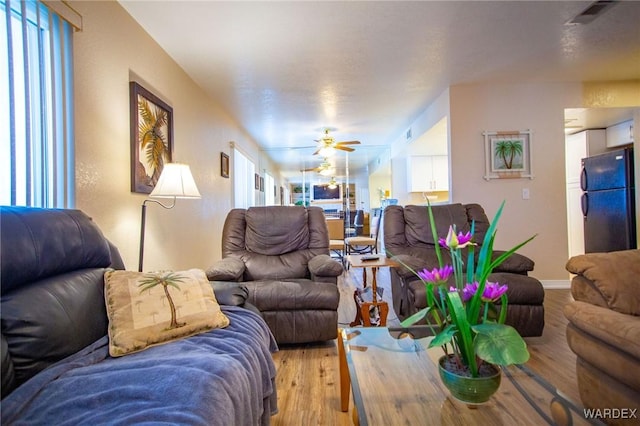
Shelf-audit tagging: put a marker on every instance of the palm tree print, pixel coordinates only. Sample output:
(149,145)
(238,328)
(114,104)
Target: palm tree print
(152,140)
(508,150)
(165,280)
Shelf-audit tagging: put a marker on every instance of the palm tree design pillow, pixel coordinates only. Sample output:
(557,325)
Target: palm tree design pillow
(147,309)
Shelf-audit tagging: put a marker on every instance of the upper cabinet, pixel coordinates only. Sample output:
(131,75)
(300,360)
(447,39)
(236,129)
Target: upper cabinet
(621,134)
(428,173)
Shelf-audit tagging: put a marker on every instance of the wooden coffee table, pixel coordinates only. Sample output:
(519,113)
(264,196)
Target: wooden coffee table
(394,379)
(364,307)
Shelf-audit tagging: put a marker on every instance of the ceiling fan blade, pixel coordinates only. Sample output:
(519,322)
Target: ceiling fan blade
(344,148)
(316,153)
(348,143)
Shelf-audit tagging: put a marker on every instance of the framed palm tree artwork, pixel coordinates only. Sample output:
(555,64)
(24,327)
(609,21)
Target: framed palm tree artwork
(151,137)
(507,155)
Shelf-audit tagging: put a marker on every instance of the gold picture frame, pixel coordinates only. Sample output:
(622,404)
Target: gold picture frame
(224,165)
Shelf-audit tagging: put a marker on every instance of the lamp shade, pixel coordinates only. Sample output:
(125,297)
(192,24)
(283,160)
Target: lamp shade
(175,181)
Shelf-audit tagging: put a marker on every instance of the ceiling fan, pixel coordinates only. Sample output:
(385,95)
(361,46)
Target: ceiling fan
(324,167)
(328,144)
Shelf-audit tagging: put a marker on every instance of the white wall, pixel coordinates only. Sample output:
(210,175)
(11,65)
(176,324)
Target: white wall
(401,148)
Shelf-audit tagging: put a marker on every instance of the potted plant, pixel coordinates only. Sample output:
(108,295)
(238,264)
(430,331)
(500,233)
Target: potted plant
(465,319)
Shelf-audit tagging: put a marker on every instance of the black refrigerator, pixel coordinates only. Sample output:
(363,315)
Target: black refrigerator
(608,201)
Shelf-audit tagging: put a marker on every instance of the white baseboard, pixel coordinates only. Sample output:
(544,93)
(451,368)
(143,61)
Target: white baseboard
(556,284)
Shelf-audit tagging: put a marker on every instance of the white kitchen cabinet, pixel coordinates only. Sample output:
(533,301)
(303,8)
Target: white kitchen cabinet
(428,173)
(620,134)
(581,145)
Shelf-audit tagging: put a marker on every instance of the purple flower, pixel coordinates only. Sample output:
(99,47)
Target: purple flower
(493,291)
(436,275)
(454,241)
(469,290)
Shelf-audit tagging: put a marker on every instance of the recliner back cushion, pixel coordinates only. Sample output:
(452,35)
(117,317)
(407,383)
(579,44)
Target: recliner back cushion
(276,230)
(39,243)
(418,228)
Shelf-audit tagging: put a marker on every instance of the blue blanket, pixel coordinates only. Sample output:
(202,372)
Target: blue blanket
(221,377)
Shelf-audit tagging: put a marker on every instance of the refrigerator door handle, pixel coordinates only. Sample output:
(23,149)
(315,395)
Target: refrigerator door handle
(584,203)
(583,179)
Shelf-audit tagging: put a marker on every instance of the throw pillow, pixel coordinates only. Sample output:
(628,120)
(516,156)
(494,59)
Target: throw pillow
(147,309)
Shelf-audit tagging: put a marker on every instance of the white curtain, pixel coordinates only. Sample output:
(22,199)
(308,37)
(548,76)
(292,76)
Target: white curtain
(36,106)
(269,190)
(243,180)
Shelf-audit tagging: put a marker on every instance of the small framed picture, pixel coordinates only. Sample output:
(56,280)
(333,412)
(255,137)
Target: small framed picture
(224,165)
(261,184)
(257,181)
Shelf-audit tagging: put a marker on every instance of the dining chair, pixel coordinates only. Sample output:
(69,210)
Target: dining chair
(364,244)
(336,237)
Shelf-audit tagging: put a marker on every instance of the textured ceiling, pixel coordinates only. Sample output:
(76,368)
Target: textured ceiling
(286,70)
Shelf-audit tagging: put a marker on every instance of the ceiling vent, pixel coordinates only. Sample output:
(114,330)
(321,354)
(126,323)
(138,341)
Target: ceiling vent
(594,10)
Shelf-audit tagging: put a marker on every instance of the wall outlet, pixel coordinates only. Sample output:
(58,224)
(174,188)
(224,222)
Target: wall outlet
(525,193)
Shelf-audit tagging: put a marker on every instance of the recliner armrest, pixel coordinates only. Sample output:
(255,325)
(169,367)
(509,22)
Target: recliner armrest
(409,265)
(324,266)
(227,269)
(516,263)
(229,293)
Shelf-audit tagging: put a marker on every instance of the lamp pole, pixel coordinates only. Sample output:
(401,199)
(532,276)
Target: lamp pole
(143,220)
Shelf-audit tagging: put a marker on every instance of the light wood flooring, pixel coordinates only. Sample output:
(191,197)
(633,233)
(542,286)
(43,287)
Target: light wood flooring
(308,375)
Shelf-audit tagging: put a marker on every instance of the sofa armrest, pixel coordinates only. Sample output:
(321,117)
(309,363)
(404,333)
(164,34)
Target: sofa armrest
(324,266)
(618,330)
(607,278)
(516,263)
(227,269)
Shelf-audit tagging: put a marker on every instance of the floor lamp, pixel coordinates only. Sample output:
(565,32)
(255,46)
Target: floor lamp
(175,181)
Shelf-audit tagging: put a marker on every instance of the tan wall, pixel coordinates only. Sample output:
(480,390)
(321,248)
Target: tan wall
(111,50)
(540,108)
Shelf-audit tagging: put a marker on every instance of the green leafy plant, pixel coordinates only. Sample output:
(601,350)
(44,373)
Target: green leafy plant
(460,315)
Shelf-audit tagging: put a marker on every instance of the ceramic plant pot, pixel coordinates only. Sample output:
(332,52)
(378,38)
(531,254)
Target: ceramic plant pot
(470,390)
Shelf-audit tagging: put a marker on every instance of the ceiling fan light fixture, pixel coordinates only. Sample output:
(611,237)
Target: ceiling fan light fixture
(327,172)
(327,151)
(332,183)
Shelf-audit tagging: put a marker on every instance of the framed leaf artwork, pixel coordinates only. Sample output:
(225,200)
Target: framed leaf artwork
(151,137)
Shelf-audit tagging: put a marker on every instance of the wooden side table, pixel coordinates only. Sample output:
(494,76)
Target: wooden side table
(363,308)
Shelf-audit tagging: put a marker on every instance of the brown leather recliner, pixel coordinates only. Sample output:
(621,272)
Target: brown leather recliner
(408,238)
(281,254)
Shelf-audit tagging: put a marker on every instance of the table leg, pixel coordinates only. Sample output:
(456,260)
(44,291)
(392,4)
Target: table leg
(374,284)
(345,382)
(365,313)
(383,308)
(358,319)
